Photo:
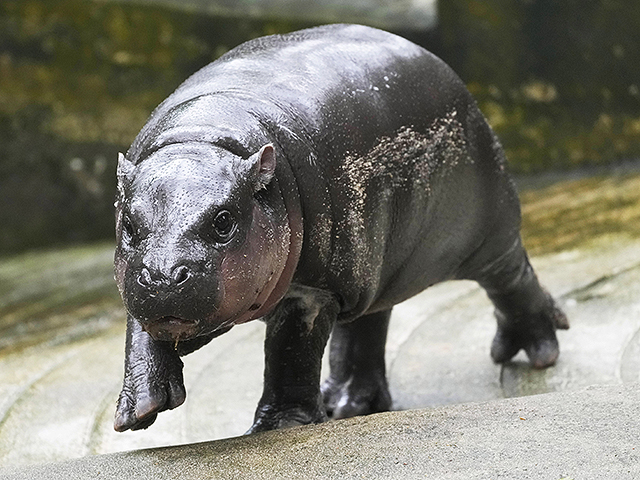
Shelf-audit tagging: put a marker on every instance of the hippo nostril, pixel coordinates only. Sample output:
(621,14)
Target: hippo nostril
(144,278)
(180,275)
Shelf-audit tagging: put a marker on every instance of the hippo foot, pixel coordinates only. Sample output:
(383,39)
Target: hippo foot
(358,395)
(270,418)
(146,392)
(535,335)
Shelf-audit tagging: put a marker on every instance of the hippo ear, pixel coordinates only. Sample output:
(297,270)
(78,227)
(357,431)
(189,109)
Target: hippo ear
(125,167)
(263,166)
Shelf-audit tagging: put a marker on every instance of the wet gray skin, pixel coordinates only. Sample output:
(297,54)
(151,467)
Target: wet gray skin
(314,180)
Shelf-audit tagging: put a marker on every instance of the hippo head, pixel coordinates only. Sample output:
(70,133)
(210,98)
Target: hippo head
(202,239)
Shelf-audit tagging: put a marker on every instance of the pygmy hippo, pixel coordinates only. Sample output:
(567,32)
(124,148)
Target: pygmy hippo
(313,180)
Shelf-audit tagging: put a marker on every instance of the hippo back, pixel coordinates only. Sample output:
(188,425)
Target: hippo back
(398,176)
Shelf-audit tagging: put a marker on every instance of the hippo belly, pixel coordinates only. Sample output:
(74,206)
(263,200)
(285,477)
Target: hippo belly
(313,180)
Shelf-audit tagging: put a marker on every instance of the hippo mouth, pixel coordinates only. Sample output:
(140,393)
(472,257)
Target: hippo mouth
(172,328)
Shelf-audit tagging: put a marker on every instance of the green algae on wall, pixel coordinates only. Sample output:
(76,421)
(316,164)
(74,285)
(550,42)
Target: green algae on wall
(78,79)
(559,81)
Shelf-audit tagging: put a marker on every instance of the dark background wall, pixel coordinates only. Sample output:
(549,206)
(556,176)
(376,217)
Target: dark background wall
(559,81)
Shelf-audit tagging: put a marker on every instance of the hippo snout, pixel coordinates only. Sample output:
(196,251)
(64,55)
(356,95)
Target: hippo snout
(179,277)
(173,302)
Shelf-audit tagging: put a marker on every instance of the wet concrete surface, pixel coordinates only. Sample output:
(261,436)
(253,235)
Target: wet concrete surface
(588,435)
(58,385)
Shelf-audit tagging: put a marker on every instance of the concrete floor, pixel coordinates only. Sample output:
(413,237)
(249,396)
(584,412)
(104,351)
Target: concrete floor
(59,384)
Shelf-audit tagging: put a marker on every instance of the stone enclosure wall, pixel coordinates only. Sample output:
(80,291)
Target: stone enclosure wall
(559,81)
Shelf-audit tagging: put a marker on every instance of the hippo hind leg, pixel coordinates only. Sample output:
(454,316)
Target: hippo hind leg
(357,384)
(527,315)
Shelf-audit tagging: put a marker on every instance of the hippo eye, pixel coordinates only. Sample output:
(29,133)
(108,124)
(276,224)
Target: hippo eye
(224,224)
(127,226)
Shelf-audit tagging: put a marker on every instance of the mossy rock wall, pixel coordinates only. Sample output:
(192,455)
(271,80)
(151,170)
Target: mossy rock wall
(78,79)
(559,81)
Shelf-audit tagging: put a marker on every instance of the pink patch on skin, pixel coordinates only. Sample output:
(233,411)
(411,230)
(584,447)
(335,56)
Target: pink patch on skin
(278,291)
(251,273)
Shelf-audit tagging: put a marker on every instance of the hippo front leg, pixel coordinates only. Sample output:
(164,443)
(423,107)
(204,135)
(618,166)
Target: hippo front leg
(152,380)
(297,332)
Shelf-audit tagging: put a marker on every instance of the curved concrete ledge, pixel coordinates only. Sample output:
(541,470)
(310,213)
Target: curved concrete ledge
(589,434)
